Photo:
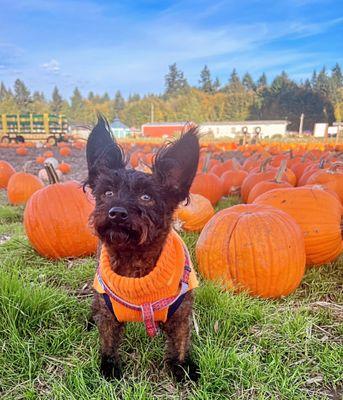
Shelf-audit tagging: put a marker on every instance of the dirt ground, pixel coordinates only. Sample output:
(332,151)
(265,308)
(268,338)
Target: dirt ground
(77,161)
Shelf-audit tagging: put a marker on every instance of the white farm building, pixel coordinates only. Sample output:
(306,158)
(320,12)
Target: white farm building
(234,129)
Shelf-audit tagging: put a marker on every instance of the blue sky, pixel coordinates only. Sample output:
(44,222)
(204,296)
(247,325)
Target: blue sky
(128,45)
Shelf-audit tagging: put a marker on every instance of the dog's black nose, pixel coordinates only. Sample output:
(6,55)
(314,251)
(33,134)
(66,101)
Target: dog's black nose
(118,213)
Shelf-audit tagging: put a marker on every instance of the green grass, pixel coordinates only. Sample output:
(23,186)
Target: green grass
(247,348)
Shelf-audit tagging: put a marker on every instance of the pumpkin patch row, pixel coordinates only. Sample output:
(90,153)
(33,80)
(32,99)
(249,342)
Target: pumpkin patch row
(291,219)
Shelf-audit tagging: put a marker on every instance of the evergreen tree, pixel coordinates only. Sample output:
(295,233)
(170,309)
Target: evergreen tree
(262,81)
(38,96)
(22,96)
(216,85)
(77,107)
(323,85)
(105,98)
(337,76)
(248,82)
(39,103)
(91,96)
(205,80)
(119,102)
(307,84)
(314,80)
(134,97)
(175,82)
(234,84)
(3,92)
(280,83)
(57,101)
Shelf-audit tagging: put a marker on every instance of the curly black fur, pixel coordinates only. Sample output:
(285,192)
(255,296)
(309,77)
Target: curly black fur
(135,243)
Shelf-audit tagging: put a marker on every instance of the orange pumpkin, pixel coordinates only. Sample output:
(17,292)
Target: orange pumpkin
(64,168)
(332,178)
(56,221)
(21,187)
(208,185)
(299,167)
(40,160)
(195,214)
(48,154)
(79,145)
(254,248)
(220,168)
(232,181)
(310,170)
(265,186)
(136,157)
(6,171)
(254,177)
(65,151)
(318,213)
(21,151)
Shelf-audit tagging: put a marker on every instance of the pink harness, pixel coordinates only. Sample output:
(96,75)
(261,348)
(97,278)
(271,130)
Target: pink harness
(148,309)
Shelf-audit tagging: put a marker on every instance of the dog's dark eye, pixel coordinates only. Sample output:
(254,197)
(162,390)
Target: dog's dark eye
(109,193)
(145,197)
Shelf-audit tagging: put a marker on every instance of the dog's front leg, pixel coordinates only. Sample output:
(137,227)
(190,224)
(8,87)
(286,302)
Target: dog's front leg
(110,331)
(178,333)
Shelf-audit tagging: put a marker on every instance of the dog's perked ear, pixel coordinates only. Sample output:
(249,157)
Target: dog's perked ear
(102,151)
(176,164)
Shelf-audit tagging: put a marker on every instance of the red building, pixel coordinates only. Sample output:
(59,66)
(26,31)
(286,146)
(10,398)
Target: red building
(164,129)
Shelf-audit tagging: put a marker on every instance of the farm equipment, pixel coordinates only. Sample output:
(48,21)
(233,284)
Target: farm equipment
(49,128)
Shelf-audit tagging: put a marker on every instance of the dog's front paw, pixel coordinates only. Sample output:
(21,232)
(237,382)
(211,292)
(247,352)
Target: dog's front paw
(110,368)
(186,370)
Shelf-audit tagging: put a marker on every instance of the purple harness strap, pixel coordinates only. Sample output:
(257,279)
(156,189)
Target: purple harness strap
(148,309)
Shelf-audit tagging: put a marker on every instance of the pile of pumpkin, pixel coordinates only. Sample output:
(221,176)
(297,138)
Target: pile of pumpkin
(290,219)
(62,168)
(55,216)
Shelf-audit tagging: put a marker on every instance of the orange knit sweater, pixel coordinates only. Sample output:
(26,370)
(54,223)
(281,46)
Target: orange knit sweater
(162,282)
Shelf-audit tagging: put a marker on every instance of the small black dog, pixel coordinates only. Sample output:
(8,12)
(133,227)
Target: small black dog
(132,218)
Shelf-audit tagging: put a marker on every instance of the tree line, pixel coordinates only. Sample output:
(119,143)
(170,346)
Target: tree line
(320,98)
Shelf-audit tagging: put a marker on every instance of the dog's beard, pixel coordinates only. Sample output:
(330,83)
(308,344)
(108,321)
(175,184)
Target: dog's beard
(126,234)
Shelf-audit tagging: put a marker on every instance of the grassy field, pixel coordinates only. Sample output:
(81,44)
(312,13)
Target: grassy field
(246,348)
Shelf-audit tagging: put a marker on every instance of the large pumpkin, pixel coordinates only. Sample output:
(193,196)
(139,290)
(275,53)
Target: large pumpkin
(6,171)
(195,214)
(252,247)
(332,178)
(208,185)
(56,221)
(318,213)
(21,187)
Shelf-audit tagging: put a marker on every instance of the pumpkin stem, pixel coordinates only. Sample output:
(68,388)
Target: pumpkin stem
(264,164)
(281,171)
(290,152)
(321,163)
(51,172)
(206,163)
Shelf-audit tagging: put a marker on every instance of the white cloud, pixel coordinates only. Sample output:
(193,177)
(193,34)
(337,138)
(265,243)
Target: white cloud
(52,66)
